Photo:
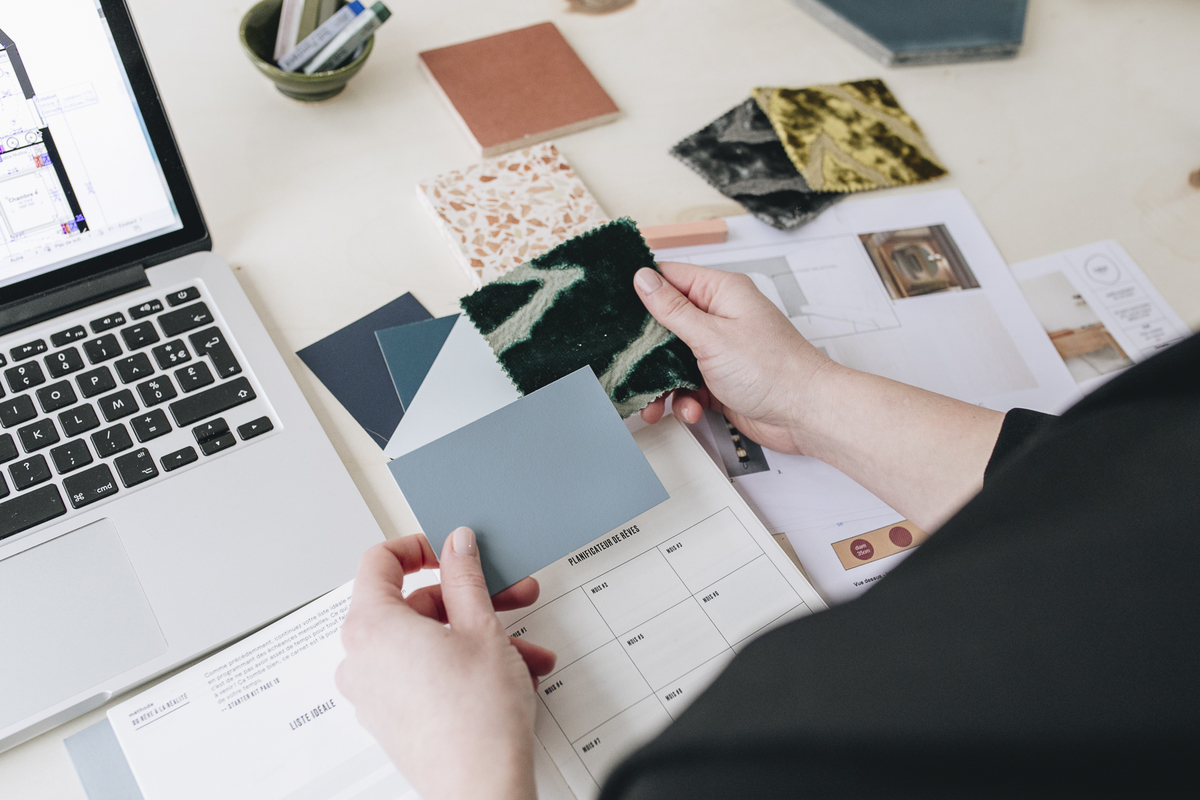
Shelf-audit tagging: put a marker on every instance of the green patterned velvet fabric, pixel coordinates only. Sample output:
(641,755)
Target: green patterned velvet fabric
(576,305)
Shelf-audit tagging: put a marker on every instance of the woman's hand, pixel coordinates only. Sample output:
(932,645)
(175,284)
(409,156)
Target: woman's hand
(452,706)
(758,370)
(921,453)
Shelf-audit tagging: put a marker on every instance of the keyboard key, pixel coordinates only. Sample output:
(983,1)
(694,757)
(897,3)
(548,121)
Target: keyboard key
(180,458)
(214,446)
(183,296)
(255,427)
(146,309)
(24,351)
(116,405)
(102,349)
(78,420)
(31,471)
(90,485)
(68,336)
(25,376)
(70,457)
(16,410)
(111,321)
(211,342)
(64,362)
(171,354)
(28,510)
(95,382)
(210,430)
(8,448)
(139,335)
(111,441)
(193,377)
(150,425)
(157,390)
(185,319)
(3,360)
(134,368)
(56,396)
(3,488)
(38,435)
(212,401)
(136,467)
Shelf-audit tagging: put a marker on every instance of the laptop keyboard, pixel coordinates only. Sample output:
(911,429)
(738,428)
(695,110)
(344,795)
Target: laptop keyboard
(123,399)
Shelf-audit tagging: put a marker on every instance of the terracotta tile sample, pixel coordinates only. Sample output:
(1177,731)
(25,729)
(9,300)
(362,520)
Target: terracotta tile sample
(518,88)
(502,212)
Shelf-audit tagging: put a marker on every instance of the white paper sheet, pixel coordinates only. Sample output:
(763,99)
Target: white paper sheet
(1099,309)
(465,383)
(940,311)
(642,619)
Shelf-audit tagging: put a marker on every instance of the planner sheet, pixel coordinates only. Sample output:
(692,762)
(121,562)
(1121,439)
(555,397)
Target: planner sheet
(642,619)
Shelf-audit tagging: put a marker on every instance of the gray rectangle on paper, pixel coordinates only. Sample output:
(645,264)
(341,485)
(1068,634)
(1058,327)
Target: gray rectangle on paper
(101,765)
(536,480)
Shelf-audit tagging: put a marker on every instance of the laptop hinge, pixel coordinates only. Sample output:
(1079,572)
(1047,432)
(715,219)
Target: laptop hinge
(85,292)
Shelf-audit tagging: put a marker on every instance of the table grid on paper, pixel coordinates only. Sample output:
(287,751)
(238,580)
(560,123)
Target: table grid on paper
(640,641)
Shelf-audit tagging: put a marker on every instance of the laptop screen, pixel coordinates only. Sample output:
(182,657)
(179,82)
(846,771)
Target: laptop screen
(79,174)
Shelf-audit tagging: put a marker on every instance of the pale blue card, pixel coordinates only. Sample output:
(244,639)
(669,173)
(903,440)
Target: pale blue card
(536,480)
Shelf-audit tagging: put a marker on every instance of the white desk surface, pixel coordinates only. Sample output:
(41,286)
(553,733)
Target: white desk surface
(1089,134)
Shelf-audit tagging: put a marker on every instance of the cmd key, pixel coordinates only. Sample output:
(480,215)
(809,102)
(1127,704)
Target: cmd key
(32,508)
(211,402)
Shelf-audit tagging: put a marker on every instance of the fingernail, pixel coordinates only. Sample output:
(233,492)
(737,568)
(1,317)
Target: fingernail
(464,542)
(647,280)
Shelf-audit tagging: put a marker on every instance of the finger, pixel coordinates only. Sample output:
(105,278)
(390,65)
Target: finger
(464,590)
(427,601)
(539,660)
(382,569)
(521,594)
(653,412)
(687,405)
(672,309)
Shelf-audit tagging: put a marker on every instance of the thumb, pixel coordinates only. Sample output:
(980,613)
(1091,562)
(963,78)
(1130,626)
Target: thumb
(672,309)
(464,590)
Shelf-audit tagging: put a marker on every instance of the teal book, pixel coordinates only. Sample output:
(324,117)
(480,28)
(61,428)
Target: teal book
(913,32)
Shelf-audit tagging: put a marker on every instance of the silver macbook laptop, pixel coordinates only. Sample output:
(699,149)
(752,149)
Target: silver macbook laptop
(164,488)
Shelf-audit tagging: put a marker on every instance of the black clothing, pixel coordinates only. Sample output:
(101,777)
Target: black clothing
(1045,642)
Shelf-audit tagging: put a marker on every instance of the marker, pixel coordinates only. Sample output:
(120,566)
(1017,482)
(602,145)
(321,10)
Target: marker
(349,40)
(302,53)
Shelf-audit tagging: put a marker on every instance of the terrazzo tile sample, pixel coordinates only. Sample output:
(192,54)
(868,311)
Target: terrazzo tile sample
(504,211)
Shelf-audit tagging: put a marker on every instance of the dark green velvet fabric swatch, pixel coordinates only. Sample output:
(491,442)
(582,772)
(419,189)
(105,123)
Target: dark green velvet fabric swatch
(574,306)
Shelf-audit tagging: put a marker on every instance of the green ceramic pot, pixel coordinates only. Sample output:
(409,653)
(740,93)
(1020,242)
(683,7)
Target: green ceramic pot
(257,33)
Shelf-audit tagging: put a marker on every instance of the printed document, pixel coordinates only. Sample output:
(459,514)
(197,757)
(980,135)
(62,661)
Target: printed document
(908,287)
(1099,310)
(642,619)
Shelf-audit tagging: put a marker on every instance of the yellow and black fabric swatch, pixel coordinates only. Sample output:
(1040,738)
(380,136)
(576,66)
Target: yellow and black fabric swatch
(849,137)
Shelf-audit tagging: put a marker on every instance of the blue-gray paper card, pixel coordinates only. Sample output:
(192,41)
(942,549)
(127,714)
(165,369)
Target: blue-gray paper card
(536,480)
(410,351)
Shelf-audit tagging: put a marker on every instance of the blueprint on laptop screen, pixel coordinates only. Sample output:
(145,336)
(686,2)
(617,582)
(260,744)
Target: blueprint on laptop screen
(78,174)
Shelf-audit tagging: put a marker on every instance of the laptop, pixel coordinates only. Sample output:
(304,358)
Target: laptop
(164,487)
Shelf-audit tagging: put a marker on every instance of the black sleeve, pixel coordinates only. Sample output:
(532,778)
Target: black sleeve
(1021,427)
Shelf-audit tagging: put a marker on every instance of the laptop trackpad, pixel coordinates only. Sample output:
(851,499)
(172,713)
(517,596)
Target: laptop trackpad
(72,614)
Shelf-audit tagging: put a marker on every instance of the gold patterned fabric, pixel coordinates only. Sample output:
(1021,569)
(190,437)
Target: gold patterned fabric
(849,137)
